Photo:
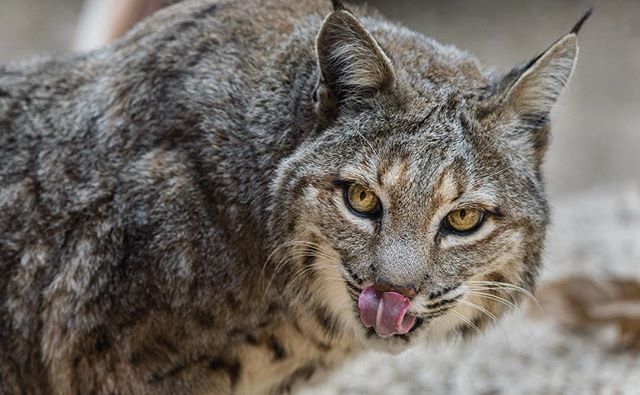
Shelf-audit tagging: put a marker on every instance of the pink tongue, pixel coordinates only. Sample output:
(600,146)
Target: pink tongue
(385,312)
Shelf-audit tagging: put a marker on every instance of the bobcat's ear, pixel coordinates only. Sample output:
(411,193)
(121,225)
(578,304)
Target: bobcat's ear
(352,65)
(535,88)
(531,90)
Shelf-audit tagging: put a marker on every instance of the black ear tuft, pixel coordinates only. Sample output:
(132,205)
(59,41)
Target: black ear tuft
(337,5)
(583,19)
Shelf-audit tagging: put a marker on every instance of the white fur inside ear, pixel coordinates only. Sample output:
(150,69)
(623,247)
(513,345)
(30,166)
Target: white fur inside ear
(538,88)
(350,60)
(358,68)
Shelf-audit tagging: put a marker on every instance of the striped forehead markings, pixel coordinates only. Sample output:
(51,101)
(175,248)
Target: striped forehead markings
(392,173)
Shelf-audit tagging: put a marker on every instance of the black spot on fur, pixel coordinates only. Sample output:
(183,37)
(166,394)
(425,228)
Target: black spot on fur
(102,343)
(303,373)
(134,359)
(206,12)
(273,308)
(326,320)
(231,368)
(76,362)
(497,277)
(279,353)
(418,324)
(251,339)
(231,299)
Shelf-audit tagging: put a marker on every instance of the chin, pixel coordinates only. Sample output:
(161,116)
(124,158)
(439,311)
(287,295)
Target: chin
(395,344)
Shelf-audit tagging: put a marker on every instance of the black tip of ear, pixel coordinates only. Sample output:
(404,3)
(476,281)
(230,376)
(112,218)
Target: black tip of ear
(337,5)
(583,19)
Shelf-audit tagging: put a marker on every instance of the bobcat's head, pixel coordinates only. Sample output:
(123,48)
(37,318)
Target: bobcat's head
(417,209)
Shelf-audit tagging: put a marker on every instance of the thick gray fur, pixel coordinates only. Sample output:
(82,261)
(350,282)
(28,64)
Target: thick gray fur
(172,218)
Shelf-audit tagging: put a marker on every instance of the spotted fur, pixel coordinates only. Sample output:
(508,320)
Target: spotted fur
(173,217)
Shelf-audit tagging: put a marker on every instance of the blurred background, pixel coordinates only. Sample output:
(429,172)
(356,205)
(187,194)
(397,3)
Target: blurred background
(596,137)
(592,173)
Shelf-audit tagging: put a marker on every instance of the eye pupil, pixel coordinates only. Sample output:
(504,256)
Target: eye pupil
(362,200)
(464,220)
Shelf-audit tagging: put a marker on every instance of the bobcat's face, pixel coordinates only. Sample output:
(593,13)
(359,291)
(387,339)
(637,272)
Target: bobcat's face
(417,211)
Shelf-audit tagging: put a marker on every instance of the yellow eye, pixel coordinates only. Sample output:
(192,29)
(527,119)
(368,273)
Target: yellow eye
(362,200)
(465,220)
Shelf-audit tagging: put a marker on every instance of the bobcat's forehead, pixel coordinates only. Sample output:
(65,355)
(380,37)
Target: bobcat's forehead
(439,165)
(392,173)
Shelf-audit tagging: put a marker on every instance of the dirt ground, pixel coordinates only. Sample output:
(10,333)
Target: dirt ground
(592,171)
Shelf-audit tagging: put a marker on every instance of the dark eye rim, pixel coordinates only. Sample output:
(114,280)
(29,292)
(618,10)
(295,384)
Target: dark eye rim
(375,214)
(446,225)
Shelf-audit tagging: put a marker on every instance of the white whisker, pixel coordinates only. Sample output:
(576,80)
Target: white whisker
(503,286)
(467,321)
(493,297)
(481,309)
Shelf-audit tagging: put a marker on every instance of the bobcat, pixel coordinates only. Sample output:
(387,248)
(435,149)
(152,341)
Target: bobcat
(238,196)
